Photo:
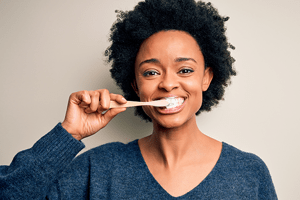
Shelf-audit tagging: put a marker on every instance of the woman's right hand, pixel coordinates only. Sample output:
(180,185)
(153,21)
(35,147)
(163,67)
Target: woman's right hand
(84,116)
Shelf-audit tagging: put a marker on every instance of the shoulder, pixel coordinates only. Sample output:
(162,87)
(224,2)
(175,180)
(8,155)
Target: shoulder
(102,158)
(115,148)
(232,155)
(110,152)
(243,164)
(248,170)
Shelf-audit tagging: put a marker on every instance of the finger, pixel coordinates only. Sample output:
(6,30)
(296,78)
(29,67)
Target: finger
(81,97)
(114,97)
(111,113)
(83,105)
(104,99)
(118,98)
(94,95)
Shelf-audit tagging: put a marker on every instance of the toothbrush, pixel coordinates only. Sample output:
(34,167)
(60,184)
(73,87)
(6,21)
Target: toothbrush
(158,103)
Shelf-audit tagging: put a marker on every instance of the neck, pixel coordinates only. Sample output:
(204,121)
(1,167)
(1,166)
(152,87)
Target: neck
(171,146)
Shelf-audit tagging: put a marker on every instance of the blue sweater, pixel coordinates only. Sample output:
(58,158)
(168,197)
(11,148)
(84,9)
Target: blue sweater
(48,170)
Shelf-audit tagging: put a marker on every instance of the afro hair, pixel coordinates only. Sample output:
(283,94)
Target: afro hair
(201,20)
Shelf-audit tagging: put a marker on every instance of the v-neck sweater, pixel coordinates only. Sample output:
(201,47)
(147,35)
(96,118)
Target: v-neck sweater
(50,170)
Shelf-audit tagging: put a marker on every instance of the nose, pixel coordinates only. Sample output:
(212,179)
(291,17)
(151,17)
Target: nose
(168,82)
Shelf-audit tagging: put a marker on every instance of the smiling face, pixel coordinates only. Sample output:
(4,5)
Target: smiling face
(170,64)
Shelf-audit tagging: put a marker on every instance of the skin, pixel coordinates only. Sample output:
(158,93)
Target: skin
(177,153)
(84,116)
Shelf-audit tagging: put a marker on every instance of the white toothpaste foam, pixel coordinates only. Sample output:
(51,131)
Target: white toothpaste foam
(173,102)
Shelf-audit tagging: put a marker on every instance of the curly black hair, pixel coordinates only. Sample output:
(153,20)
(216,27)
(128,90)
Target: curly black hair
(201,20)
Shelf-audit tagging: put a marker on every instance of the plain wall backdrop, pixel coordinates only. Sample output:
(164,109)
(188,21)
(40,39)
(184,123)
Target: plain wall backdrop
(49,49)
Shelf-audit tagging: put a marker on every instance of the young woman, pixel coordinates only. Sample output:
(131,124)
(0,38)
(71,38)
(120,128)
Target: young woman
(173,49)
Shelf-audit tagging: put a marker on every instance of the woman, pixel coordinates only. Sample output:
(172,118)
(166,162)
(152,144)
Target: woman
(162,49)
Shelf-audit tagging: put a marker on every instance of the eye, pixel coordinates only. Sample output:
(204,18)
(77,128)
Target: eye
(186,71)
(150,73)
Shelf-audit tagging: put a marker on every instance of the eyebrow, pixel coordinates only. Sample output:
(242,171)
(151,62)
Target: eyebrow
(184,59)
(154,60)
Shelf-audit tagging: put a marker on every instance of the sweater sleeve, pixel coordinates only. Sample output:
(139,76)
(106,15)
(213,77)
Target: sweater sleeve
(258,174)
(266,188)
(34,170)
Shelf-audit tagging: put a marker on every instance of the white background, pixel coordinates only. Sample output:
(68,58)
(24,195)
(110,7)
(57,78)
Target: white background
(49,49)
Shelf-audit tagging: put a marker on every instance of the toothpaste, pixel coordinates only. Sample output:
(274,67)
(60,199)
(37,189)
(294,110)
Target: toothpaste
(174,102)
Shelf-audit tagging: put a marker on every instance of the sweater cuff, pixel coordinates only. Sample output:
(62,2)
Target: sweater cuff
(57,148)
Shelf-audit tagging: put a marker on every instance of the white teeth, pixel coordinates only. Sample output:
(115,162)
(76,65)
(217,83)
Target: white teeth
(174,101)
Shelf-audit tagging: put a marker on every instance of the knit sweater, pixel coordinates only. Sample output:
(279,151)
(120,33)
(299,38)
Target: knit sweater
(49,170)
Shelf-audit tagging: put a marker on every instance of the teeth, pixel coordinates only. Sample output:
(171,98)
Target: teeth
(174,101)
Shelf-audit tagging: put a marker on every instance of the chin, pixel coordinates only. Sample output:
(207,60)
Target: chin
(170,121)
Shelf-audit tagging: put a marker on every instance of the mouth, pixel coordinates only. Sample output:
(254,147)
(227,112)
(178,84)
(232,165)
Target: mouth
(174,102)
(175,105)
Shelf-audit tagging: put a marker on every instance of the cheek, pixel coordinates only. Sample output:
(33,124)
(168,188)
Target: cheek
(194,89)
(146,89)
(148,110)
(144,93)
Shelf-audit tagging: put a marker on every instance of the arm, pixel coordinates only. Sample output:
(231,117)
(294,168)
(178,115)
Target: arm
(266,187)
(33,171)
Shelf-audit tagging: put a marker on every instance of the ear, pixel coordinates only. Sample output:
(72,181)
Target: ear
(208,76)
(135,88)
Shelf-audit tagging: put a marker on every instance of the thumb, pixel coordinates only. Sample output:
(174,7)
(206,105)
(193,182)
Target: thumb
(111,113)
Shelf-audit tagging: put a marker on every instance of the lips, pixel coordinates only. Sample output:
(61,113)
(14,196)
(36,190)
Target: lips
(174,106)
(174,102)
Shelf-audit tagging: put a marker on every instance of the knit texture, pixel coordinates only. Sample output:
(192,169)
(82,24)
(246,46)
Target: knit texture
(118,171)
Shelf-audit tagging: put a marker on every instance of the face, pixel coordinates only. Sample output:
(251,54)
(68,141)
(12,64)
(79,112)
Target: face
(170,64)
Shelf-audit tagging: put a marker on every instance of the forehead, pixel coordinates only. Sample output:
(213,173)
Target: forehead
(171,43)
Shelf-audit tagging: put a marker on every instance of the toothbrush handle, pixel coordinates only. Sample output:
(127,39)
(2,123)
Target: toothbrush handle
(114,104)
